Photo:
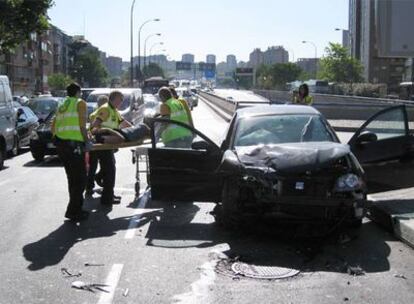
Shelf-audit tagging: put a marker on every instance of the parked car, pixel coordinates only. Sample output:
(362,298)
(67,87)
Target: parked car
(286,162)
(43,106)
(41,139)
(8,136)
(132,108)
(152,105)
(27,122)
(185,93)
(21,99)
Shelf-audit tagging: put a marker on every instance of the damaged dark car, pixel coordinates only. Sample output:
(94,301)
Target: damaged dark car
(286,162)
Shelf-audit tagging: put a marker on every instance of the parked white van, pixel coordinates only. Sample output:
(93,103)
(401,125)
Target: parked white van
(8,136)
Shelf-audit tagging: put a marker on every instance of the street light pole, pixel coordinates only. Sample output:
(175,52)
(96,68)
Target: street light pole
(145,46)
(139,40)
(131,80)
(316,55)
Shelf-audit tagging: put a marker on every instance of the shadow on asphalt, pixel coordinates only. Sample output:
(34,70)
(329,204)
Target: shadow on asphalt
(51,249)
(172,227)
(51,161)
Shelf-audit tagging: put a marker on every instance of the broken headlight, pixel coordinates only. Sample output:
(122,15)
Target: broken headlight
(348,182)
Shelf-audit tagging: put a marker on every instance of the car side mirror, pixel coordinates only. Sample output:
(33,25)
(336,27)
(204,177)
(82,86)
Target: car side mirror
(200,145)
(366,137)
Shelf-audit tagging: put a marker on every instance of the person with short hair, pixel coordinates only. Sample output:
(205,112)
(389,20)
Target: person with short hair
(71,137)
(184,103)
(93,156)
(174,136)
(109,117)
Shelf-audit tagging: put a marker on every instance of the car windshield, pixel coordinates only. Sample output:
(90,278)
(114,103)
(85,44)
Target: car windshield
(43,106)
(93,98)
(280,129)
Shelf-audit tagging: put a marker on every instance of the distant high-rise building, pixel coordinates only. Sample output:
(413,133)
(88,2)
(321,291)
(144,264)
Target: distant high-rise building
(188,58)
(211,58)
(275,54)
(345,40)
(308,65)
(364,46)
(256,58)
(231,63)
(114,66)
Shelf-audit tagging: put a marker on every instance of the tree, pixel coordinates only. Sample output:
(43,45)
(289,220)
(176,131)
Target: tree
(277,75)
(20,18)
(58,81)
(339,66)
(152,70)
(87,67)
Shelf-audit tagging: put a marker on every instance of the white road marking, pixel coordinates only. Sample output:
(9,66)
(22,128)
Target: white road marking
(112,282)
(135,220)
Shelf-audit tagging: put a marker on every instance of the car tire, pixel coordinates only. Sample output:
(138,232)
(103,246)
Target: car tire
(15,150)
(38,155)
(2,156)
(227,213)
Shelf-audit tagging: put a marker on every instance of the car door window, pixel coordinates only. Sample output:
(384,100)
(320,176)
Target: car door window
(389,124)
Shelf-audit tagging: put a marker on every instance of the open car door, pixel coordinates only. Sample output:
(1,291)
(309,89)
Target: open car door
(183,174)
(384,148)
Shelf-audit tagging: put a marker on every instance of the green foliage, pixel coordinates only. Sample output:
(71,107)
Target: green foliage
(152,70)
(20,18)
(87,67)
(58,81)
(339,66)
(277,75)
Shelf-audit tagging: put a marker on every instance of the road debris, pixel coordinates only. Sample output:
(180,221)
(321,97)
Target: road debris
(68,274)
(400,276)
(355,270)
(89,287)
(93,265)
(346,299)
(126,292)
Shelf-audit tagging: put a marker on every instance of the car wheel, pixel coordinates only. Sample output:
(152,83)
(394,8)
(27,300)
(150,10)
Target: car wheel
(38,154)
(1,158)
(15,150)
(227,213)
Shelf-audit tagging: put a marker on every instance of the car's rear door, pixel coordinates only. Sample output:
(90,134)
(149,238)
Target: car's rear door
(388,159)
(184,174)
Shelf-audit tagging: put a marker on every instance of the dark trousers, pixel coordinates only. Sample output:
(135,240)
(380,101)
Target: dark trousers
(108,172)
(73,160)
(93,166)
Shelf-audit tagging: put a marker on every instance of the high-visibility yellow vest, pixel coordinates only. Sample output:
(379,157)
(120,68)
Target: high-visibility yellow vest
(177,113)
(67,120)
(308,100)
(114,118)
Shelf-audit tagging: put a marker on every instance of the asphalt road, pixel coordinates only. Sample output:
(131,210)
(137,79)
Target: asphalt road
(165,252)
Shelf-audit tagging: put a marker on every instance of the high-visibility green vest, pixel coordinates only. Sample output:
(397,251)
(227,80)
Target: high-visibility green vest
(114,118)
(67,120)
(308,100)
(177,113)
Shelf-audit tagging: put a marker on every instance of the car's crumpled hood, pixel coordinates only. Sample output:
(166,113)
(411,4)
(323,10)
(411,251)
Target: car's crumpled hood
(294,157)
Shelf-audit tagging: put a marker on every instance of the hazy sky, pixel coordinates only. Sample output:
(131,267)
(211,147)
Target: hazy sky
(220,27)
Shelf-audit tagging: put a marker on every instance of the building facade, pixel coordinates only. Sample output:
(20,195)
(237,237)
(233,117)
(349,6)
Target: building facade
(231,63)
(275,54)
(211,58)
(256,58)
(114,66)
(308,65)
(187,58)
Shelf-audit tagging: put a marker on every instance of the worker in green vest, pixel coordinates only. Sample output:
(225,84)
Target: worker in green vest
(109,117)
(303,96)
(93,157)
(174,136)
(71,139)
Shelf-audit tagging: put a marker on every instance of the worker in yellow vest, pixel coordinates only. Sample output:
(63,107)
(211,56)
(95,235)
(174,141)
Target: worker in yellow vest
(184,104)
(71,139)
(174,136)
(303,96)
(93,157)
(109,117)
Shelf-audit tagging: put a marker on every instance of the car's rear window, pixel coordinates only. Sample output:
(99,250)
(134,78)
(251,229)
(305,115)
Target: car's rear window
(279,129)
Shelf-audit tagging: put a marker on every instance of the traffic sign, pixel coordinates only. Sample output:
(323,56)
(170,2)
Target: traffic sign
(209,74)
(183,66)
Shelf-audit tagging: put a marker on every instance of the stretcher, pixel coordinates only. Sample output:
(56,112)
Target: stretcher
(102,147)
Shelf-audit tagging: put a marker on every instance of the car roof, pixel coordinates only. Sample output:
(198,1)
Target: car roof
(276,110)
(109,90)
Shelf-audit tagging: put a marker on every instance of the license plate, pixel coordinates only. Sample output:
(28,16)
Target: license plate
(50,146)
(300,186)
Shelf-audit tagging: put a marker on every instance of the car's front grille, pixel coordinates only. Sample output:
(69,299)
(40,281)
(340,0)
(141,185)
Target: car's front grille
(305,187)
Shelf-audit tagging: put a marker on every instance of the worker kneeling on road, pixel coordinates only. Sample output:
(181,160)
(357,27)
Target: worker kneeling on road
(71,140)
(174,136)
(109,117)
